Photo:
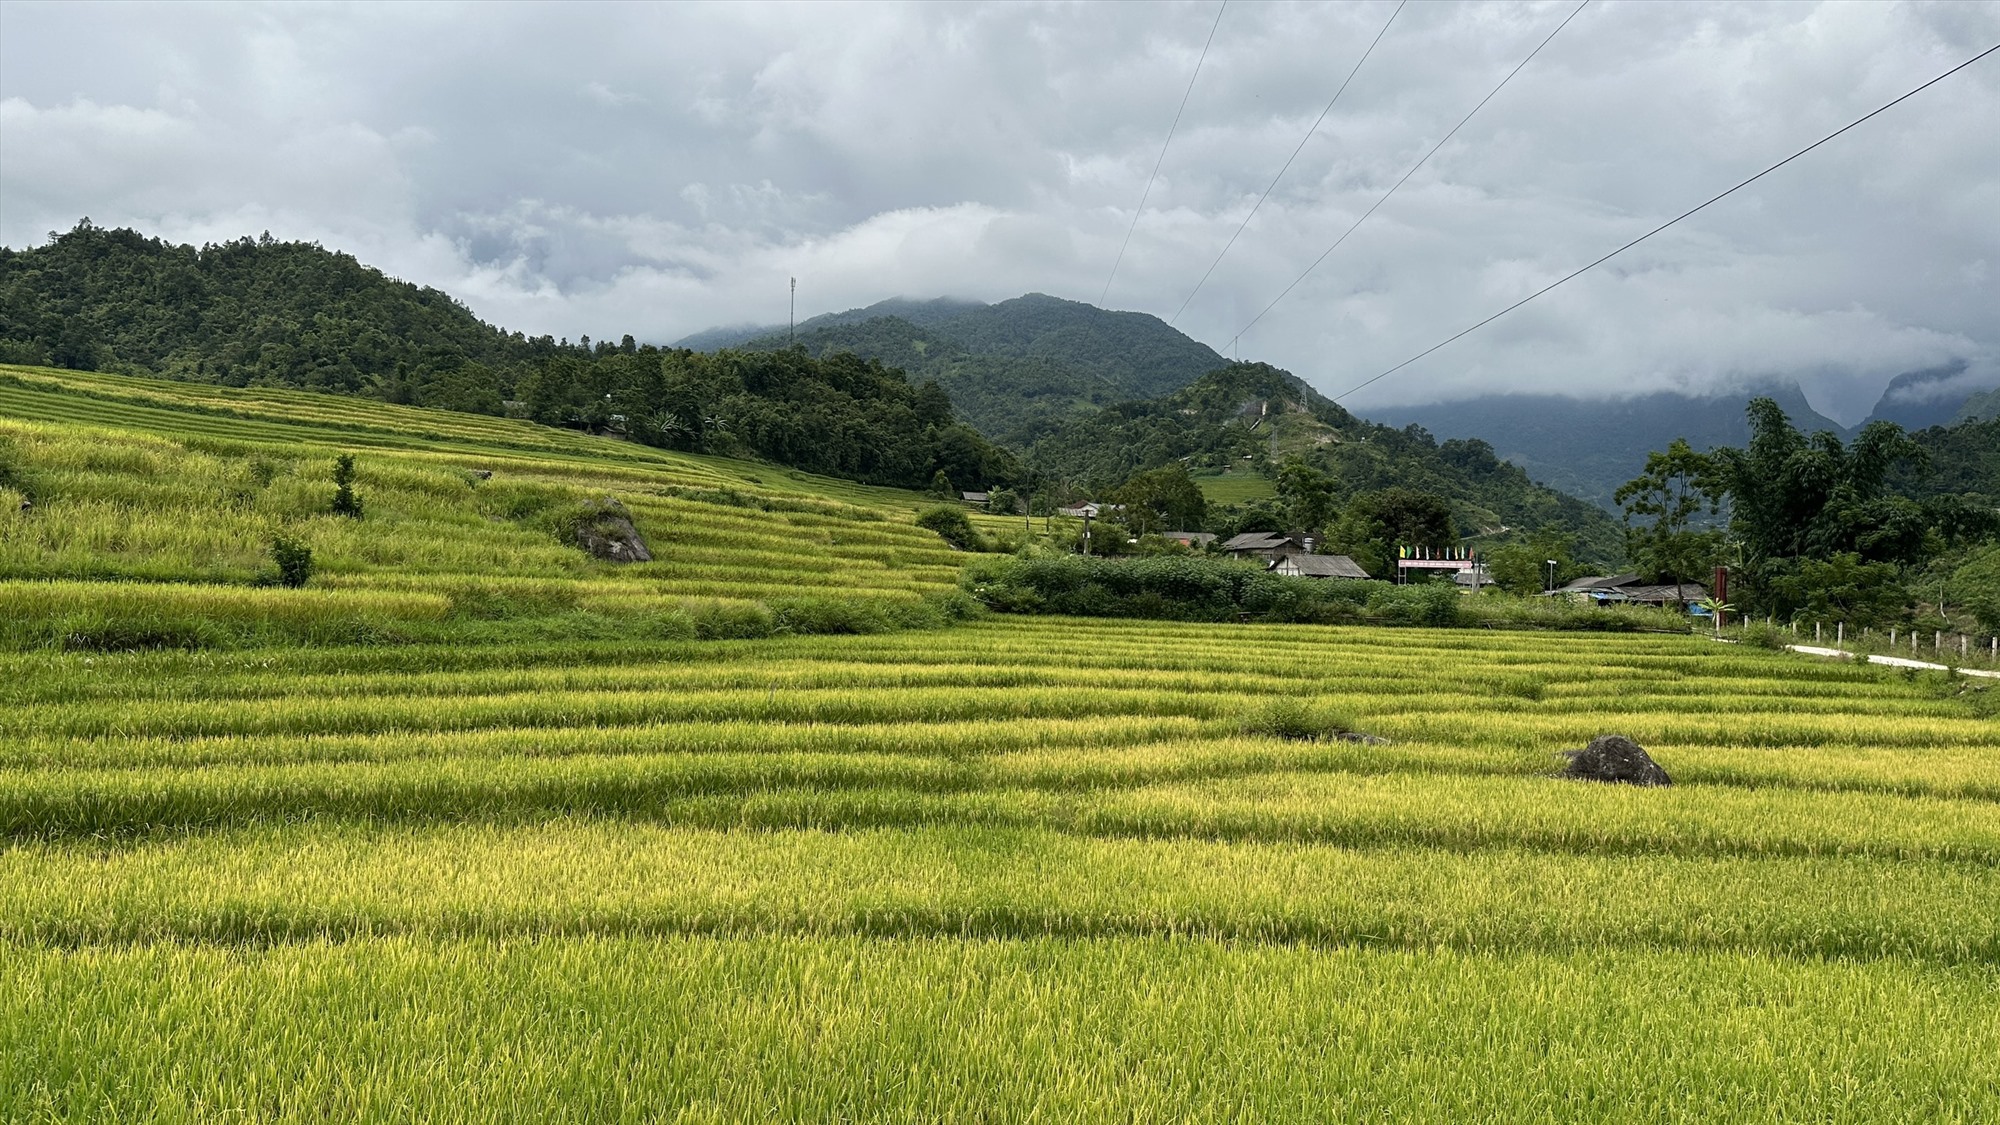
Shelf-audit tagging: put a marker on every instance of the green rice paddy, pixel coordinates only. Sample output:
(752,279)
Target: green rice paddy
(1026,869)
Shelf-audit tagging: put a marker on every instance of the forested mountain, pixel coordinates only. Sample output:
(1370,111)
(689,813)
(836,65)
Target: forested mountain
(1588,447)
(248,311)
(1254,418)
(1958,460)
(268,313)
(1011,399)
(1137,353)
(1014,369)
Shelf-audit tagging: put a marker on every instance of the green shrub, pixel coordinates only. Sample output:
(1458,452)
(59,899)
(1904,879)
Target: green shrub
(953,605)
(951,525)
(345,502)
(294,559)
(1761,635)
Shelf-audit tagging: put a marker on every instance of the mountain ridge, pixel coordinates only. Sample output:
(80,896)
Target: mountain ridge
(1588,447)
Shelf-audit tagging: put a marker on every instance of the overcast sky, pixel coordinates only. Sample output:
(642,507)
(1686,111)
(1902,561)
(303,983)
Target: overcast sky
(577,169)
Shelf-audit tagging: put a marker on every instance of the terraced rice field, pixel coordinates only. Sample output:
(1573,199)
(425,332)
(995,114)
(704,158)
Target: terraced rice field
(141,483)
(1016,870)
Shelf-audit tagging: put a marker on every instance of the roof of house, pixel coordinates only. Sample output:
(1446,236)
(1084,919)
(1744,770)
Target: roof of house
(1190,536)
(1465,577)
(977,497)
(1598,582)
(1256,541)
(1323,566)
(1658,595)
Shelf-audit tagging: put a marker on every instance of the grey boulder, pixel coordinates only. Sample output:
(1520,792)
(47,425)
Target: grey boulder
(1613,757)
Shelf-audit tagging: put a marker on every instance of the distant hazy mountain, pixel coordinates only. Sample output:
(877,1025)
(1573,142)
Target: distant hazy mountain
(1014,369)
(1982,407)
(1588,447)
(1918,400)
(731,336)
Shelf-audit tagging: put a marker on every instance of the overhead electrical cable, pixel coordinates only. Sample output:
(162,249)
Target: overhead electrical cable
(1670,222)
(1288,162)
(1413,169)
(1143,196)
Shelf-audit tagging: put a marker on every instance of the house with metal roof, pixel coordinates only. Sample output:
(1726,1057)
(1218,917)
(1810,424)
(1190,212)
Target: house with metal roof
(1316,566)
(1262,545)
(1596,583)
(1630,589)
(1685,593)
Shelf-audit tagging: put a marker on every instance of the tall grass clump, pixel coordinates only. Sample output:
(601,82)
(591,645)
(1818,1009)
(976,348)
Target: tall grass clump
(1297,721)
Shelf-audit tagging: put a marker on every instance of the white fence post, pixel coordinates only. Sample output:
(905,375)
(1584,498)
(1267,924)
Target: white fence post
(1840,633)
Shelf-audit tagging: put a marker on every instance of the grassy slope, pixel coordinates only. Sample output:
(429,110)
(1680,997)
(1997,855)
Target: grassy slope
(167,482)
(1238,487)
(1022,869)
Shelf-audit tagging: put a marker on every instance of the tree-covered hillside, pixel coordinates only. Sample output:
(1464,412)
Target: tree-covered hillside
(1011,399)
(1138,354)
(1014,370)
(1251,418)
(250,311)
(257,312)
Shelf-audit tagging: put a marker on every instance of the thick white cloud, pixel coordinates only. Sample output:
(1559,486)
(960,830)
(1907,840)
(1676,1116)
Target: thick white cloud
(579,169)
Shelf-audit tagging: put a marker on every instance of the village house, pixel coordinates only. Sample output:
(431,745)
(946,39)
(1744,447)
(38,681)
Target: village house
(1317,566)
(1631,589)
(1268,545)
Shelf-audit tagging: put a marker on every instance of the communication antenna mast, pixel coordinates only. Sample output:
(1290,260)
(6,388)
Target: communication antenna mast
(792,332)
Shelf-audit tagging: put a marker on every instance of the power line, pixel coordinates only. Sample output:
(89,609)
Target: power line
(1288,162)
(1143,196)
(1413,168)
(1671,222)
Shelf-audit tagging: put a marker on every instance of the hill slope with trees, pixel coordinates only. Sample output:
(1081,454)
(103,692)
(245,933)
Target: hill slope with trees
(1336,475)
(1015,369)
(258,312)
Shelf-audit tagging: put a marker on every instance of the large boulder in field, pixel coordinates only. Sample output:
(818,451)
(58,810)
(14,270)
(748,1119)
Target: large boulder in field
(604,530)
(1613,757)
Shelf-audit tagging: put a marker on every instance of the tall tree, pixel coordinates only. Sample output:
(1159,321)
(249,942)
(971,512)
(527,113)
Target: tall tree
(1308,495)
(1661,505)
(1164,499)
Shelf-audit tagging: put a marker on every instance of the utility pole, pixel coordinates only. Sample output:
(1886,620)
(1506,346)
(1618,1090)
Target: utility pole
(792,333)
